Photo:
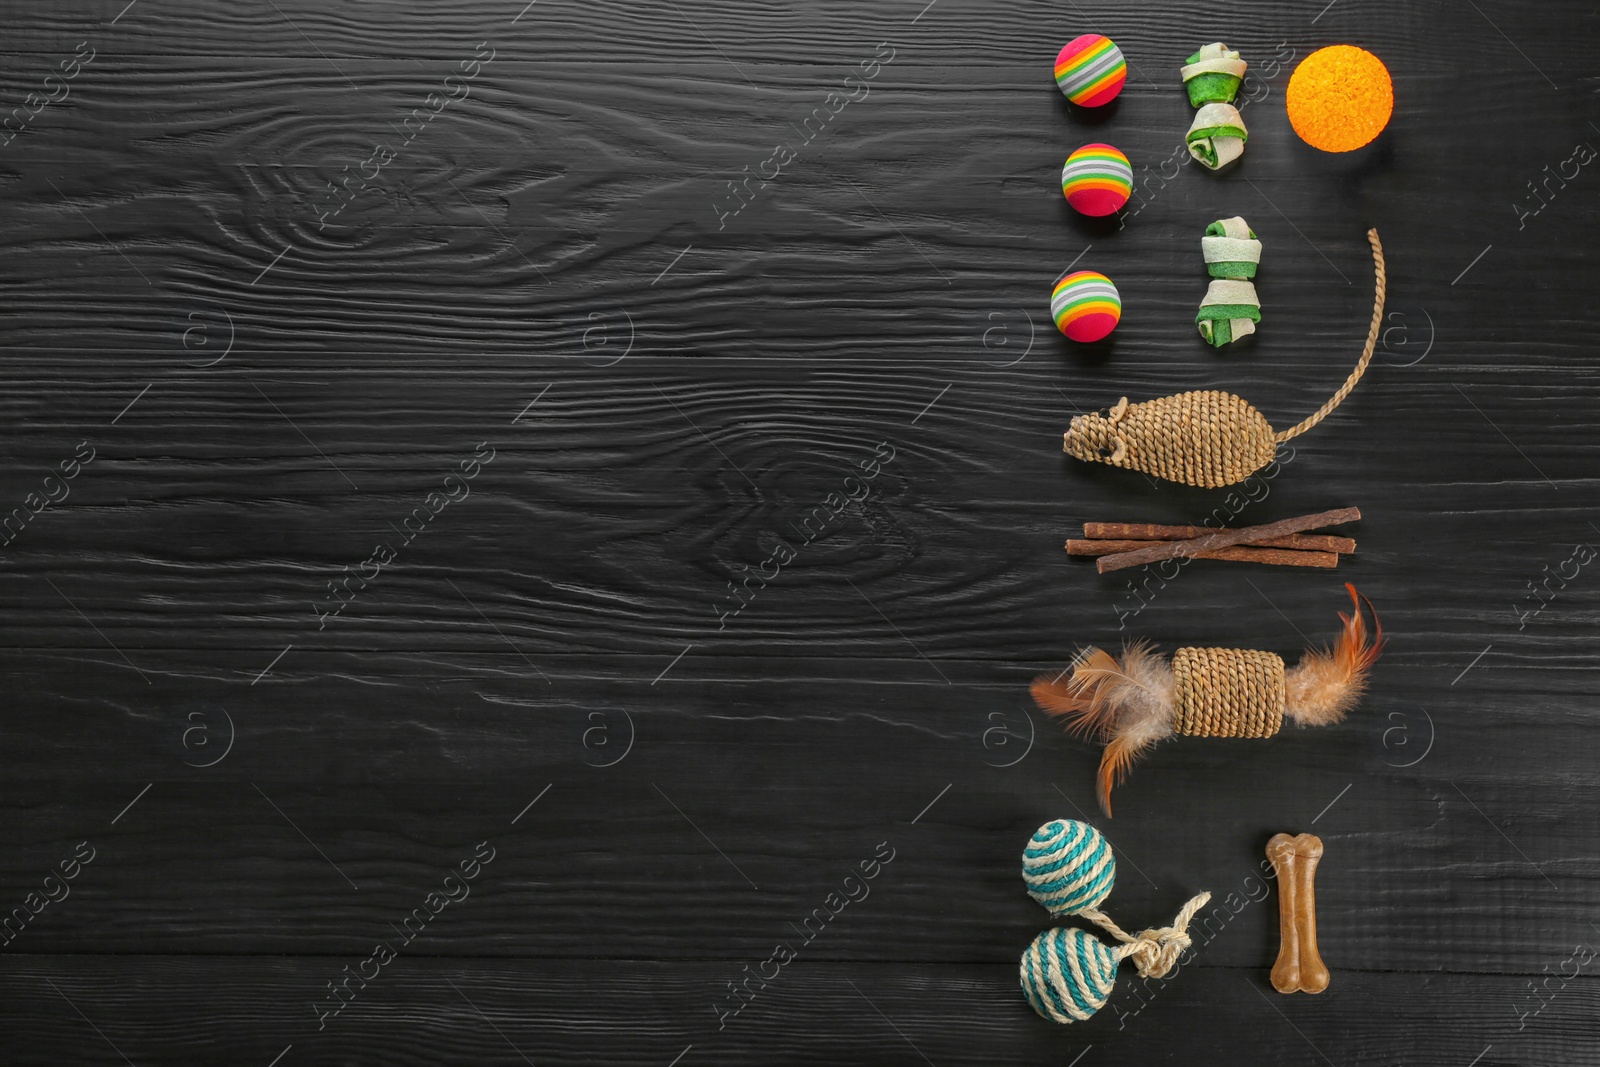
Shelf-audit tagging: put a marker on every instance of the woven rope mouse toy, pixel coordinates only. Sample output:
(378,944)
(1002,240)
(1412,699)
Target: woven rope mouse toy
(1205,438)
(1207,692)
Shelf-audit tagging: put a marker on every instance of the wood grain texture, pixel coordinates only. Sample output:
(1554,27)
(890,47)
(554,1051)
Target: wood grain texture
(452,751)
(579,1011)
(556,267)
(731,33)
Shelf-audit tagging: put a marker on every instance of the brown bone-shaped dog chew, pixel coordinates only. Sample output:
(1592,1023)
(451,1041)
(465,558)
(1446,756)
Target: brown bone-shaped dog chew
(1299,968)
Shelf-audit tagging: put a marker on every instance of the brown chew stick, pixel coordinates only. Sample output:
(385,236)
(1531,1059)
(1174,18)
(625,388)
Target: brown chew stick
(1141,531)
(1297,542)
(1283,557)
(1161,550)
(1299,968)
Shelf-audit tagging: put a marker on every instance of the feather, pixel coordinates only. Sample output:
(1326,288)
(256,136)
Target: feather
(1115,762)
(1327,683)
(1127,705)
(1078,700)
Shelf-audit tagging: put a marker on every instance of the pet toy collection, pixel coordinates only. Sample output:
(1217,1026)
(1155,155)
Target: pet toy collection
(1339,99)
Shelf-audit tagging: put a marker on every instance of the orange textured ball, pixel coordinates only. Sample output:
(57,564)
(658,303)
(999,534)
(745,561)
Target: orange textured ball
(1340,98)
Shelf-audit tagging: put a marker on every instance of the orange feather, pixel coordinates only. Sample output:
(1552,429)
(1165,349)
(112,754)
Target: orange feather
(1353,651)
(1114,764)
(1080,700)
(1326,683)
(1126,705)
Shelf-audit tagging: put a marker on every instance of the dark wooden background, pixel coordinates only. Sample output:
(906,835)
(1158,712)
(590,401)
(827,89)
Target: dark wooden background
(542,269)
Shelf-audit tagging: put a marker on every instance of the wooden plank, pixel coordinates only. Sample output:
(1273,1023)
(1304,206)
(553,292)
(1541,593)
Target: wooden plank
(425,1010)
(628,516)
(739,36)
(676,793)
(448,248)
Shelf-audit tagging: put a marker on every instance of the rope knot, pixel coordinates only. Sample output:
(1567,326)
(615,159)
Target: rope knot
(1154,951)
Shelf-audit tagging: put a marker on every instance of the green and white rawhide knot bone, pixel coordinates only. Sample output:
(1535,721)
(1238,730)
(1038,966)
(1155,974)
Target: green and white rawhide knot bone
(1067,974)
(1217,135)
(1231,308)
(1212,75)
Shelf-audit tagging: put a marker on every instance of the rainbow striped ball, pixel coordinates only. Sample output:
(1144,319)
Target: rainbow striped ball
(1086,305)
(1068,867)
(1097,179)
(1091,70)
(1068,974)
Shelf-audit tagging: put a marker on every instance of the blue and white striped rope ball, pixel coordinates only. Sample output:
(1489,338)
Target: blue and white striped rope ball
(1068,867)
(1067,974)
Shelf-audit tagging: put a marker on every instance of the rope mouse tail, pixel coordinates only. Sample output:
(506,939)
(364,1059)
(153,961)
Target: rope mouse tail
(1366,353)
(1155,951)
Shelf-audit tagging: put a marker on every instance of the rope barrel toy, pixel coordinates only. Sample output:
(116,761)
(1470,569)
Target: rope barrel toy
(1067,974)
(1205,438)
(1207,692)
